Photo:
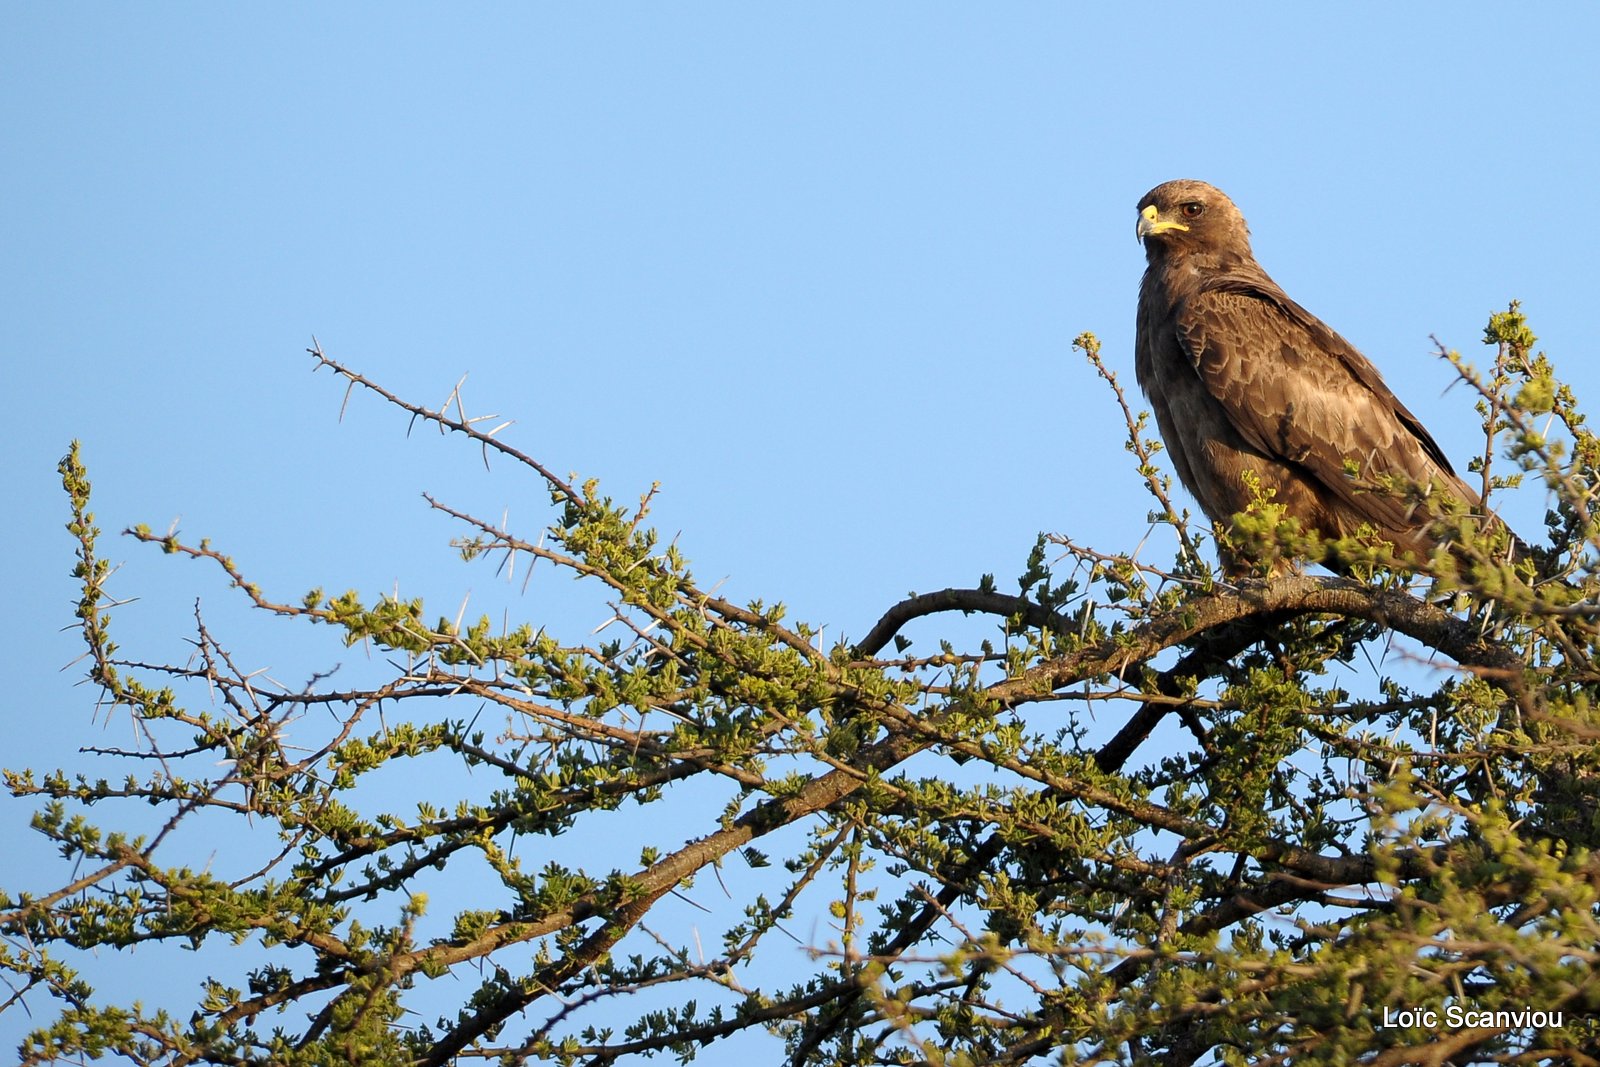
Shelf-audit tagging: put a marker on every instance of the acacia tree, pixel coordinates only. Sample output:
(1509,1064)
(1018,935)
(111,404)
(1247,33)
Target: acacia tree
(1009,868)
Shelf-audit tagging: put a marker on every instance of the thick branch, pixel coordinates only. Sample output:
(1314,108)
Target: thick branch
(1297,595)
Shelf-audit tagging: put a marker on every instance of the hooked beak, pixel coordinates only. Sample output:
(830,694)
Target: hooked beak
(1150,222)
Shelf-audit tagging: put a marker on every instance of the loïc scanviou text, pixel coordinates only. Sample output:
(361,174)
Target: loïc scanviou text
(1457,1017)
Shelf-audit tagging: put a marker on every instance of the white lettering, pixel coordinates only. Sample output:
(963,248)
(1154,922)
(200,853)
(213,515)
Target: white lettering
(1409,1017)
(1458,1017)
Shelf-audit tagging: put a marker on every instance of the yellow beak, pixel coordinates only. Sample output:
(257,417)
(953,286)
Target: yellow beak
(1150,221)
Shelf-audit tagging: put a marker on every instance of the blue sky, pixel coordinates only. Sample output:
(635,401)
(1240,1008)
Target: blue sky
(815,269)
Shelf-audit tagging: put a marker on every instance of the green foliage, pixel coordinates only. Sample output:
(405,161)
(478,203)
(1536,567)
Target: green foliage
(1154,816)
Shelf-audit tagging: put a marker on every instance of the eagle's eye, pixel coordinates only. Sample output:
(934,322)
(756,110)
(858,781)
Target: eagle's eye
(1192,210)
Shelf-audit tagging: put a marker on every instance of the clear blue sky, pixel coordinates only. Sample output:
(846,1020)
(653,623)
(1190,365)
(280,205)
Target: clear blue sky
(815,268)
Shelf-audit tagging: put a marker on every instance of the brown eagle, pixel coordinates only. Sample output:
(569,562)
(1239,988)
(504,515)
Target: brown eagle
(1244,379)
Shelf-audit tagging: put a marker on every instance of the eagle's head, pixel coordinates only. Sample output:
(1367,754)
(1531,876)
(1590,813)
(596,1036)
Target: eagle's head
(1187,216)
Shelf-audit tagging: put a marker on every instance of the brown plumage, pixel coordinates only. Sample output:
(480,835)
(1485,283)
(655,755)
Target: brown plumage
(1243,378)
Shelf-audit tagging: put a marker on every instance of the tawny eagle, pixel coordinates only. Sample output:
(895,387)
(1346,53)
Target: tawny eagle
(1244,379)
